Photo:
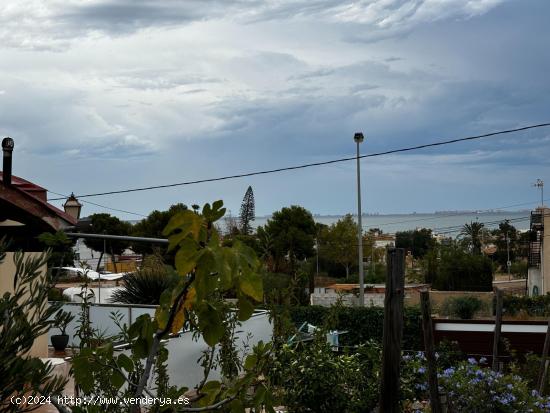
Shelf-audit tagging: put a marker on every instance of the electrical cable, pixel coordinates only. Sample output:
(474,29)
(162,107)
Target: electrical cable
(454,214)
(308,165)
(99,205)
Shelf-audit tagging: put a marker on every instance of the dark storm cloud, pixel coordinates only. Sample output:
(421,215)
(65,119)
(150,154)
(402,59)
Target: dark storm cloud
(125,16)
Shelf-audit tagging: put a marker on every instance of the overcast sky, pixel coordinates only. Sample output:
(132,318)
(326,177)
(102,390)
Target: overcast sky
(116,94)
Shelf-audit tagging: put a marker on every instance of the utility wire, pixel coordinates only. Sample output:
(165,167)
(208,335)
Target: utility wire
(99,205)
(308,165)
(458,228)
(453,214)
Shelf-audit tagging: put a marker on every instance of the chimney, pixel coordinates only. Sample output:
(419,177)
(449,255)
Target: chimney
(7,149)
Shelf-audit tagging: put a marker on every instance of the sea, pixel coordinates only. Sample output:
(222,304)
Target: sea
(444,222)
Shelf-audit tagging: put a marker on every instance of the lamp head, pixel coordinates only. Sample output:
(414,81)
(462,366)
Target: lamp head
(358,137)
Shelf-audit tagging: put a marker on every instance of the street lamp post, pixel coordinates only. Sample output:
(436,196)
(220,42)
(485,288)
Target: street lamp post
(358,138)
(508,263)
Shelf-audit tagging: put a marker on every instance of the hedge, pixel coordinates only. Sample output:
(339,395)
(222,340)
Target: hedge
(362,323)
(533,306)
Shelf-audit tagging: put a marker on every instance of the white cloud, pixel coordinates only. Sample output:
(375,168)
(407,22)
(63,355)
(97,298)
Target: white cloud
(179,89)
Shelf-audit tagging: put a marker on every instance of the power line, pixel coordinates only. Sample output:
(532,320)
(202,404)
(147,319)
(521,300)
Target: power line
(458,228)
(99,205)
(454,214)
(308,165)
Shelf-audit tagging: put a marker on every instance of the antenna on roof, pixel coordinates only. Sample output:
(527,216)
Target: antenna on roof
(540,184)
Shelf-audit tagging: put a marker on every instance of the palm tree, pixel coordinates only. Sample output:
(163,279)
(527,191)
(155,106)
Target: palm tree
(472,233)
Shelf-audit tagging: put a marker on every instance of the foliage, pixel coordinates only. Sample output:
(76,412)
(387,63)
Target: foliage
(62,320)
(462,307)
(61,249)
(152,227)
(519,269)
(55,294)
(472,233)
(25,316)
(247,213)
(228,356)
(538,306)
(314,379)
(338,243)
(206,271)
(471,387)
(84,330)
(453,269)
(275,286)
(144,286)
(291,233)
(418,241)
(362,323)
(376,274)
(506,234)
(107,224)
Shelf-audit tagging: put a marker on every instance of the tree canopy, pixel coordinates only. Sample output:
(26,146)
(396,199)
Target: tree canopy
(247,214)
(472,234)
(152,227)
(292,235)
(454,269)
(506,239)
(338,243)
(418,241)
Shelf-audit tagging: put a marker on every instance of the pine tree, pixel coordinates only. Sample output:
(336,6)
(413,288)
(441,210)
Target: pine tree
(247,214)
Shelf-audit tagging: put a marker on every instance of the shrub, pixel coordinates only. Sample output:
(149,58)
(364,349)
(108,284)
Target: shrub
(470,387)
(144,286)
(457,270)
(55,294)
(519,269)
(361,323)
(533,306)
(462,307)
(315,379)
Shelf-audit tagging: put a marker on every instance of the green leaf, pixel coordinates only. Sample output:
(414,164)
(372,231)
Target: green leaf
(125,362)
(251,285)
(250,361)
(83,371)
(174,240)
(236,406)
(211,390)
(260,395)
(246,308)
(186,221)
(187,256)
(117,379)
(161,315)
(210,323)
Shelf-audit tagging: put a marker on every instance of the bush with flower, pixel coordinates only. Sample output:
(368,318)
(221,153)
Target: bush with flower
(469,386)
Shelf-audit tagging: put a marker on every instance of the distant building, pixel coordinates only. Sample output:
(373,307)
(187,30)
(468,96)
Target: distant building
(538,275)
(349,294)
(384,240)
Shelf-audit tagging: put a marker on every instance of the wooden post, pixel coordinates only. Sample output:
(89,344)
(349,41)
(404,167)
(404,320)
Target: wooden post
(498,322)
(544,361)
(393,331)
(429,351)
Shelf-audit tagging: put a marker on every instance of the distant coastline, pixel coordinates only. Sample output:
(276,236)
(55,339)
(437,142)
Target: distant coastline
(405,214)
